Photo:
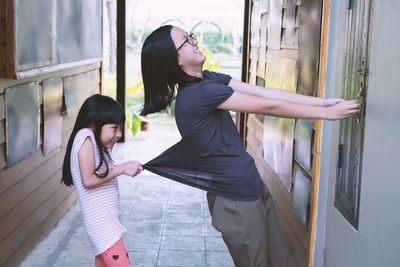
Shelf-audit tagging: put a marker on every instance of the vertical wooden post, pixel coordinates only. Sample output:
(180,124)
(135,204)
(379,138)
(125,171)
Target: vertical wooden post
(121,57)
(241,117)
(321,88)
(10,42)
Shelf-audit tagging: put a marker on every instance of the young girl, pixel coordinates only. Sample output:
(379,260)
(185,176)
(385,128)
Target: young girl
(211,155)
(87,165)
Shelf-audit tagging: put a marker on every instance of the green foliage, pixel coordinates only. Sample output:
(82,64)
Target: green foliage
(132,35)
(145,34)
(212,40)
(223,49)
(134,93)
(109,84)
(134,124)
(228,38)
(216,42)
(171,108)
(210,63)
(128,118)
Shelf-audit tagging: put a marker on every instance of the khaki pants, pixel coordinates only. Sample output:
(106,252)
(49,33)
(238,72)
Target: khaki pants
(250,230)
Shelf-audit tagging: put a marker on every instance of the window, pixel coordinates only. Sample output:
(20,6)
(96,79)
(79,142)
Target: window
(354,84)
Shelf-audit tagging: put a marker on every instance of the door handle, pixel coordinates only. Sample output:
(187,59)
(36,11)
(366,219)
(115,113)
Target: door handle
(362,93)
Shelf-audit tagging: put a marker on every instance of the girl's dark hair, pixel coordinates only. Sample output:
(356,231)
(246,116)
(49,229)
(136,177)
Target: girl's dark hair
(96,111)
(161,71)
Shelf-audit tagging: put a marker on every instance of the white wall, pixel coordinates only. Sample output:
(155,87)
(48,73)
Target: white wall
(329,131)
(377,240)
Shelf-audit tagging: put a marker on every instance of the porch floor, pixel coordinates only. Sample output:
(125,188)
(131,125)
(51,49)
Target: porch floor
(168,223)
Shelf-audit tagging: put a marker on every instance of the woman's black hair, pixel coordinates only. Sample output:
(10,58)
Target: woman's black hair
(161,71)
(96,111)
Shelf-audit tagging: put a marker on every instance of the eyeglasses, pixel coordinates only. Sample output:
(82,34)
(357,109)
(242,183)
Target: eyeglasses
(190,39)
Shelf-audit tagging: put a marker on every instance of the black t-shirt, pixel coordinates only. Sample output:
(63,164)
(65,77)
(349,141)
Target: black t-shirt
(211,155)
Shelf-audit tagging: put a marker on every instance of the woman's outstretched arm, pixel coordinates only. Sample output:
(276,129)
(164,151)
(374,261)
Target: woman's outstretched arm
(259,105)
(278,94)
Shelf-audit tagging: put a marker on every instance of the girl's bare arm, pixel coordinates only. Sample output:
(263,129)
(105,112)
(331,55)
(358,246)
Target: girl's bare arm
(86,165)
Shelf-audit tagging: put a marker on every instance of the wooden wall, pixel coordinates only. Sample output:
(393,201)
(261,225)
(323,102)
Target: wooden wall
(32,200)
(297,236)
(2,40)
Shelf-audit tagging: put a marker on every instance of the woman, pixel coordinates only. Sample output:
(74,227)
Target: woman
(211,155)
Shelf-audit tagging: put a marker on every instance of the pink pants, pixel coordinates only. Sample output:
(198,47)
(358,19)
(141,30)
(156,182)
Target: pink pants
(117,256)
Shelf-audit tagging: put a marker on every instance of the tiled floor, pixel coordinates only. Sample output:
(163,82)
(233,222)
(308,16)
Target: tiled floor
(168,223)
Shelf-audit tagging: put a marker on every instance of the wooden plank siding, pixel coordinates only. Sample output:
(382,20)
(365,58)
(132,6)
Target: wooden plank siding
(2,156)
(2,131)
(297,238)
(5,83)
(17,231)
(37,225)
(2,31)
(2,55)
(6,179)
(29,183)
(83,80)
(2,39)
(2,9)
(3,62)
(2,134)
(2,107)
(8,7)
(62,205)
(32,200)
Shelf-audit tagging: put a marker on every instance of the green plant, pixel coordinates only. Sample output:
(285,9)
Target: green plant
(210,63)
(171,108)
(109,84)
(132,35)
(134,99)
(228,38)
(135,92)
(223,49)
(134,123)
(146,33)
(212,39)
